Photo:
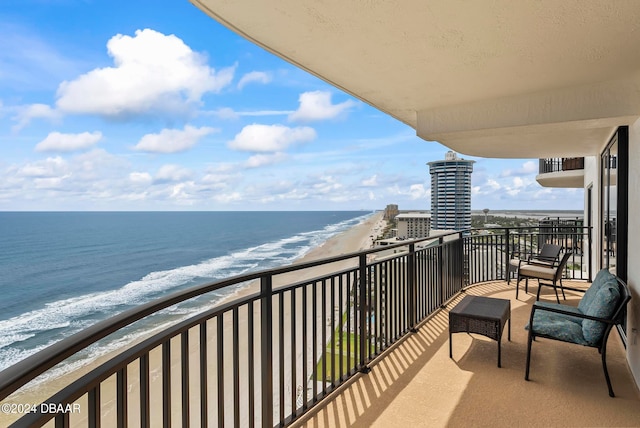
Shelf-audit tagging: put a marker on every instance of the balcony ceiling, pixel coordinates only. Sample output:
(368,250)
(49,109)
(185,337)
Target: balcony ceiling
(503,79)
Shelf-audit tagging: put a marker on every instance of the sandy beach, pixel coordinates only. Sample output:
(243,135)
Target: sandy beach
(358,237)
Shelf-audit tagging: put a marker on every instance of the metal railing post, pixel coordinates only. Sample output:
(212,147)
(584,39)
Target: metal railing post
(440,263)
(362,307)
(411,288)
(459,262)
(590,251)
(266,344)
(507,254)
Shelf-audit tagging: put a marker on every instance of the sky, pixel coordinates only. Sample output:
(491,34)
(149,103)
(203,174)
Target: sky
(152,105)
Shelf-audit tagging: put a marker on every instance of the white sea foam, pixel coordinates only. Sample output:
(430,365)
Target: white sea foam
(73,314)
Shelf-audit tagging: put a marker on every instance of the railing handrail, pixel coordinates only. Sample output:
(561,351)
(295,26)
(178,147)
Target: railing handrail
(16,376)
(28,369)
(548,165)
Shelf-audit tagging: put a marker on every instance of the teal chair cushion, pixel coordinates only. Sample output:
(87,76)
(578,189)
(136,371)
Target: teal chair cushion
(558,326)
(602,306)
(564,308)
(603,277)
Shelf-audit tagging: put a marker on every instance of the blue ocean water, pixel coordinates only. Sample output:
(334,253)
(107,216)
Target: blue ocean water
(63,271)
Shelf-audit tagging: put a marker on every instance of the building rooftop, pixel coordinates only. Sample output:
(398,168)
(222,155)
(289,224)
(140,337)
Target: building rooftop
(414,215)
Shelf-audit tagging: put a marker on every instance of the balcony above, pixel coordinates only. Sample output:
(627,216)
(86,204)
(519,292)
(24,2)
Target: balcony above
(498,79)
(561,172)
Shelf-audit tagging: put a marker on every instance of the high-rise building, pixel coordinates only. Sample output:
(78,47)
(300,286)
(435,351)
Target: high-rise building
(391,211)
(451,192)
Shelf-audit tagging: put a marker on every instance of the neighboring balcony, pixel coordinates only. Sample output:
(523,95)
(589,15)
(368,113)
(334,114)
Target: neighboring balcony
(561,172)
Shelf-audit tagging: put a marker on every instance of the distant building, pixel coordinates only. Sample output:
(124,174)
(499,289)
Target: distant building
(451,193)
(413,225)
(390,212)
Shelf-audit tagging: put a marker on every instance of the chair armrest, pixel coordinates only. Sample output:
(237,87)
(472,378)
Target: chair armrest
(543,260)
(539,263)
(572,314)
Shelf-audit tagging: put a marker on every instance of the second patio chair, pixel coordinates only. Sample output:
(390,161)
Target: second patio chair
(548,255)
(542,272)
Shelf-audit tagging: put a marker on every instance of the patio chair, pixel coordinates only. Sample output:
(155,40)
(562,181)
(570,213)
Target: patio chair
(589,324)
(543,272)
(548,255)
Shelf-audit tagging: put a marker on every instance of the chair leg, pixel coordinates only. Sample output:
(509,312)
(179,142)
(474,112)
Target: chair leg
(538,293)
(526,373)
(562,289)
(604,367)
(555,288)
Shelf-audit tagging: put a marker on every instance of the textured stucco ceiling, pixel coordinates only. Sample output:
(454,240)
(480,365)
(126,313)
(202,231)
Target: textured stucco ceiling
(461,70)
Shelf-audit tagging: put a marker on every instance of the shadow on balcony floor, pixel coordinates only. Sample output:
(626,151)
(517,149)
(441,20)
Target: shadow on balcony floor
(417,384)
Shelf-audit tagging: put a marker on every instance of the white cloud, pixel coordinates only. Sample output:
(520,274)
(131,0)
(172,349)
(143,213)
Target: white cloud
(58,142)
(408,192)
(220,177)
(228,113)
(173,140)
(259,160)
(493,184)
(183,193)
(291,195)
(327,184)
(140,178)
(172,173)
(152,72)
(270,138)
(34,111)
(527,168)
(317,106)
(371,182)
(417,191)
(90,176)
(518,182)
(258,113)
(49,167)
(530,167)
(98,164)
(254,76)
(226,198)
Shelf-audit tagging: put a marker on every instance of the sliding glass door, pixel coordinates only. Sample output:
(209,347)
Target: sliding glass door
(614,202)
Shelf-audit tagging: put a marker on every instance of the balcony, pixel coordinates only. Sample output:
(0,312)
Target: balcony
(364,343)
(561,172)
(416,384)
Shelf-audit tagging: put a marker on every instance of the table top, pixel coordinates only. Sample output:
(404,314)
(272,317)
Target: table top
(482,307)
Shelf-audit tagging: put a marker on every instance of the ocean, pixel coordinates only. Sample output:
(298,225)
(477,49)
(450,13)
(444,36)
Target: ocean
(61,272)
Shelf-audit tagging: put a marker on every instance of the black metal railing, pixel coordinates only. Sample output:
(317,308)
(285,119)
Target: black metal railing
(560,164)
(267,358)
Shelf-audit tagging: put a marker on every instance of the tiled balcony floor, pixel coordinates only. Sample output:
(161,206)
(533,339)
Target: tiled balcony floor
(416,384)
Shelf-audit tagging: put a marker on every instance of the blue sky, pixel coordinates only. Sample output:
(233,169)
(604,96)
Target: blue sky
(140,105)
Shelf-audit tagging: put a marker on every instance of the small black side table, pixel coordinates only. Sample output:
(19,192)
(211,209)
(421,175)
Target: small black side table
(482,315)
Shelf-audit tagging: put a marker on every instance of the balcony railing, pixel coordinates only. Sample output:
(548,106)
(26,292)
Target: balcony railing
(560,164)
(267,358)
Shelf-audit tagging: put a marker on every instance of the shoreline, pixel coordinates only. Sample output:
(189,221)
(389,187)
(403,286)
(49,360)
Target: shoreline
(358,237)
